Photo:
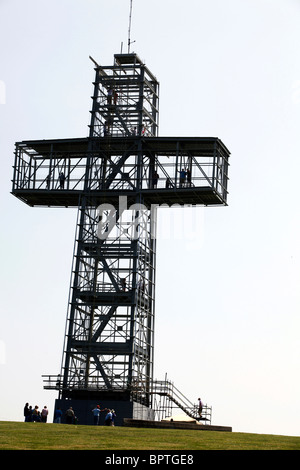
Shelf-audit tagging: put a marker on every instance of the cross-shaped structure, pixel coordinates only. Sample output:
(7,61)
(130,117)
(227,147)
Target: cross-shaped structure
(117,177)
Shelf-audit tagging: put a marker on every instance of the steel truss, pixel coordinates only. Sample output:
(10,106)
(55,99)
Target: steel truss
(117,177)
(125,100)
(108,167)
(109,342)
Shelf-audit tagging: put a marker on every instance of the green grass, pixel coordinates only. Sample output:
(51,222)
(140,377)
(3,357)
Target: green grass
(40,436)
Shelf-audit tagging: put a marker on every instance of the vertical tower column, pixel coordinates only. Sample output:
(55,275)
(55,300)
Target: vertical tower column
(109,339)
(108,351)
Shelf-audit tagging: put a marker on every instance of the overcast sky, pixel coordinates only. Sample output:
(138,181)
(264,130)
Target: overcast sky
(227,306)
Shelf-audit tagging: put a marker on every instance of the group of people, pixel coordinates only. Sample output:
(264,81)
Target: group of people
(71,418)
(109,419)
(61,180)
(34,414)
(185,178)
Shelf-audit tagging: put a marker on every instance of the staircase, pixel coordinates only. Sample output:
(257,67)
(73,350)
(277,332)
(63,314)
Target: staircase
(166,397)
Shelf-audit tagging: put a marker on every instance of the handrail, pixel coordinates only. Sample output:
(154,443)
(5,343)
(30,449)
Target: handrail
(166,388)
(162,388)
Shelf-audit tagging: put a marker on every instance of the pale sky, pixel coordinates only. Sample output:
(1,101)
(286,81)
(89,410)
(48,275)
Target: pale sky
(228,304)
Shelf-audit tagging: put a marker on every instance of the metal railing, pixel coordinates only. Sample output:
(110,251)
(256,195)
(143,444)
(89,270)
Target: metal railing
(176,399)
(67,171)
(165,397)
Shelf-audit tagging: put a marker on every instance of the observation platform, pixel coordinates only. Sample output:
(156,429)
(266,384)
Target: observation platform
(190,170)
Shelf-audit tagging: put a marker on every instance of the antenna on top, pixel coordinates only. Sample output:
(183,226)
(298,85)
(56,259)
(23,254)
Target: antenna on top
(129,27)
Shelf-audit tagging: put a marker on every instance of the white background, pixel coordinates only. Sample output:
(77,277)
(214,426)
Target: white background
(227,310)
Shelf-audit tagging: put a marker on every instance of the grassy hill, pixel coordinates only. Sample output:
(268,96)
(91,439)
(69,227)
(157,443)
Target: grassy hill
(40,436)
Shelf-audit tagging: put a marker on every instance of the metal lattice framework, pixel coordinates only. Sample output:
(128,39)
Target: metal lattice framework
(109,340)
(125,100)
(117,177)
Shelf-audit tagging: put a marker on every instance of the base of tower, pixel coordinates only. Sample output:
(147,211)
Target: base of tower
(83,410)
(172,424)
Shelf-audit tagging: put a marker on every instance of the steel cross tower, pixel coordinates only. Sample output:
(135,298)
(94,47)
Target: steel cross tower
(117,177)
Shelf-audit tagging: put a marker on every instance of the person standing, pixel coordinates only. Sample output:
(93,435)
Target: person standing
(200,406)
(26,412)
(57,416)
(44,414)
(109,96)
(113,416)
(70,415)
(182,176)
(155,179)
(189,177)
(96,412)
(108,418)
(115,97)
(61,180)
(36,415)
(29,418)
